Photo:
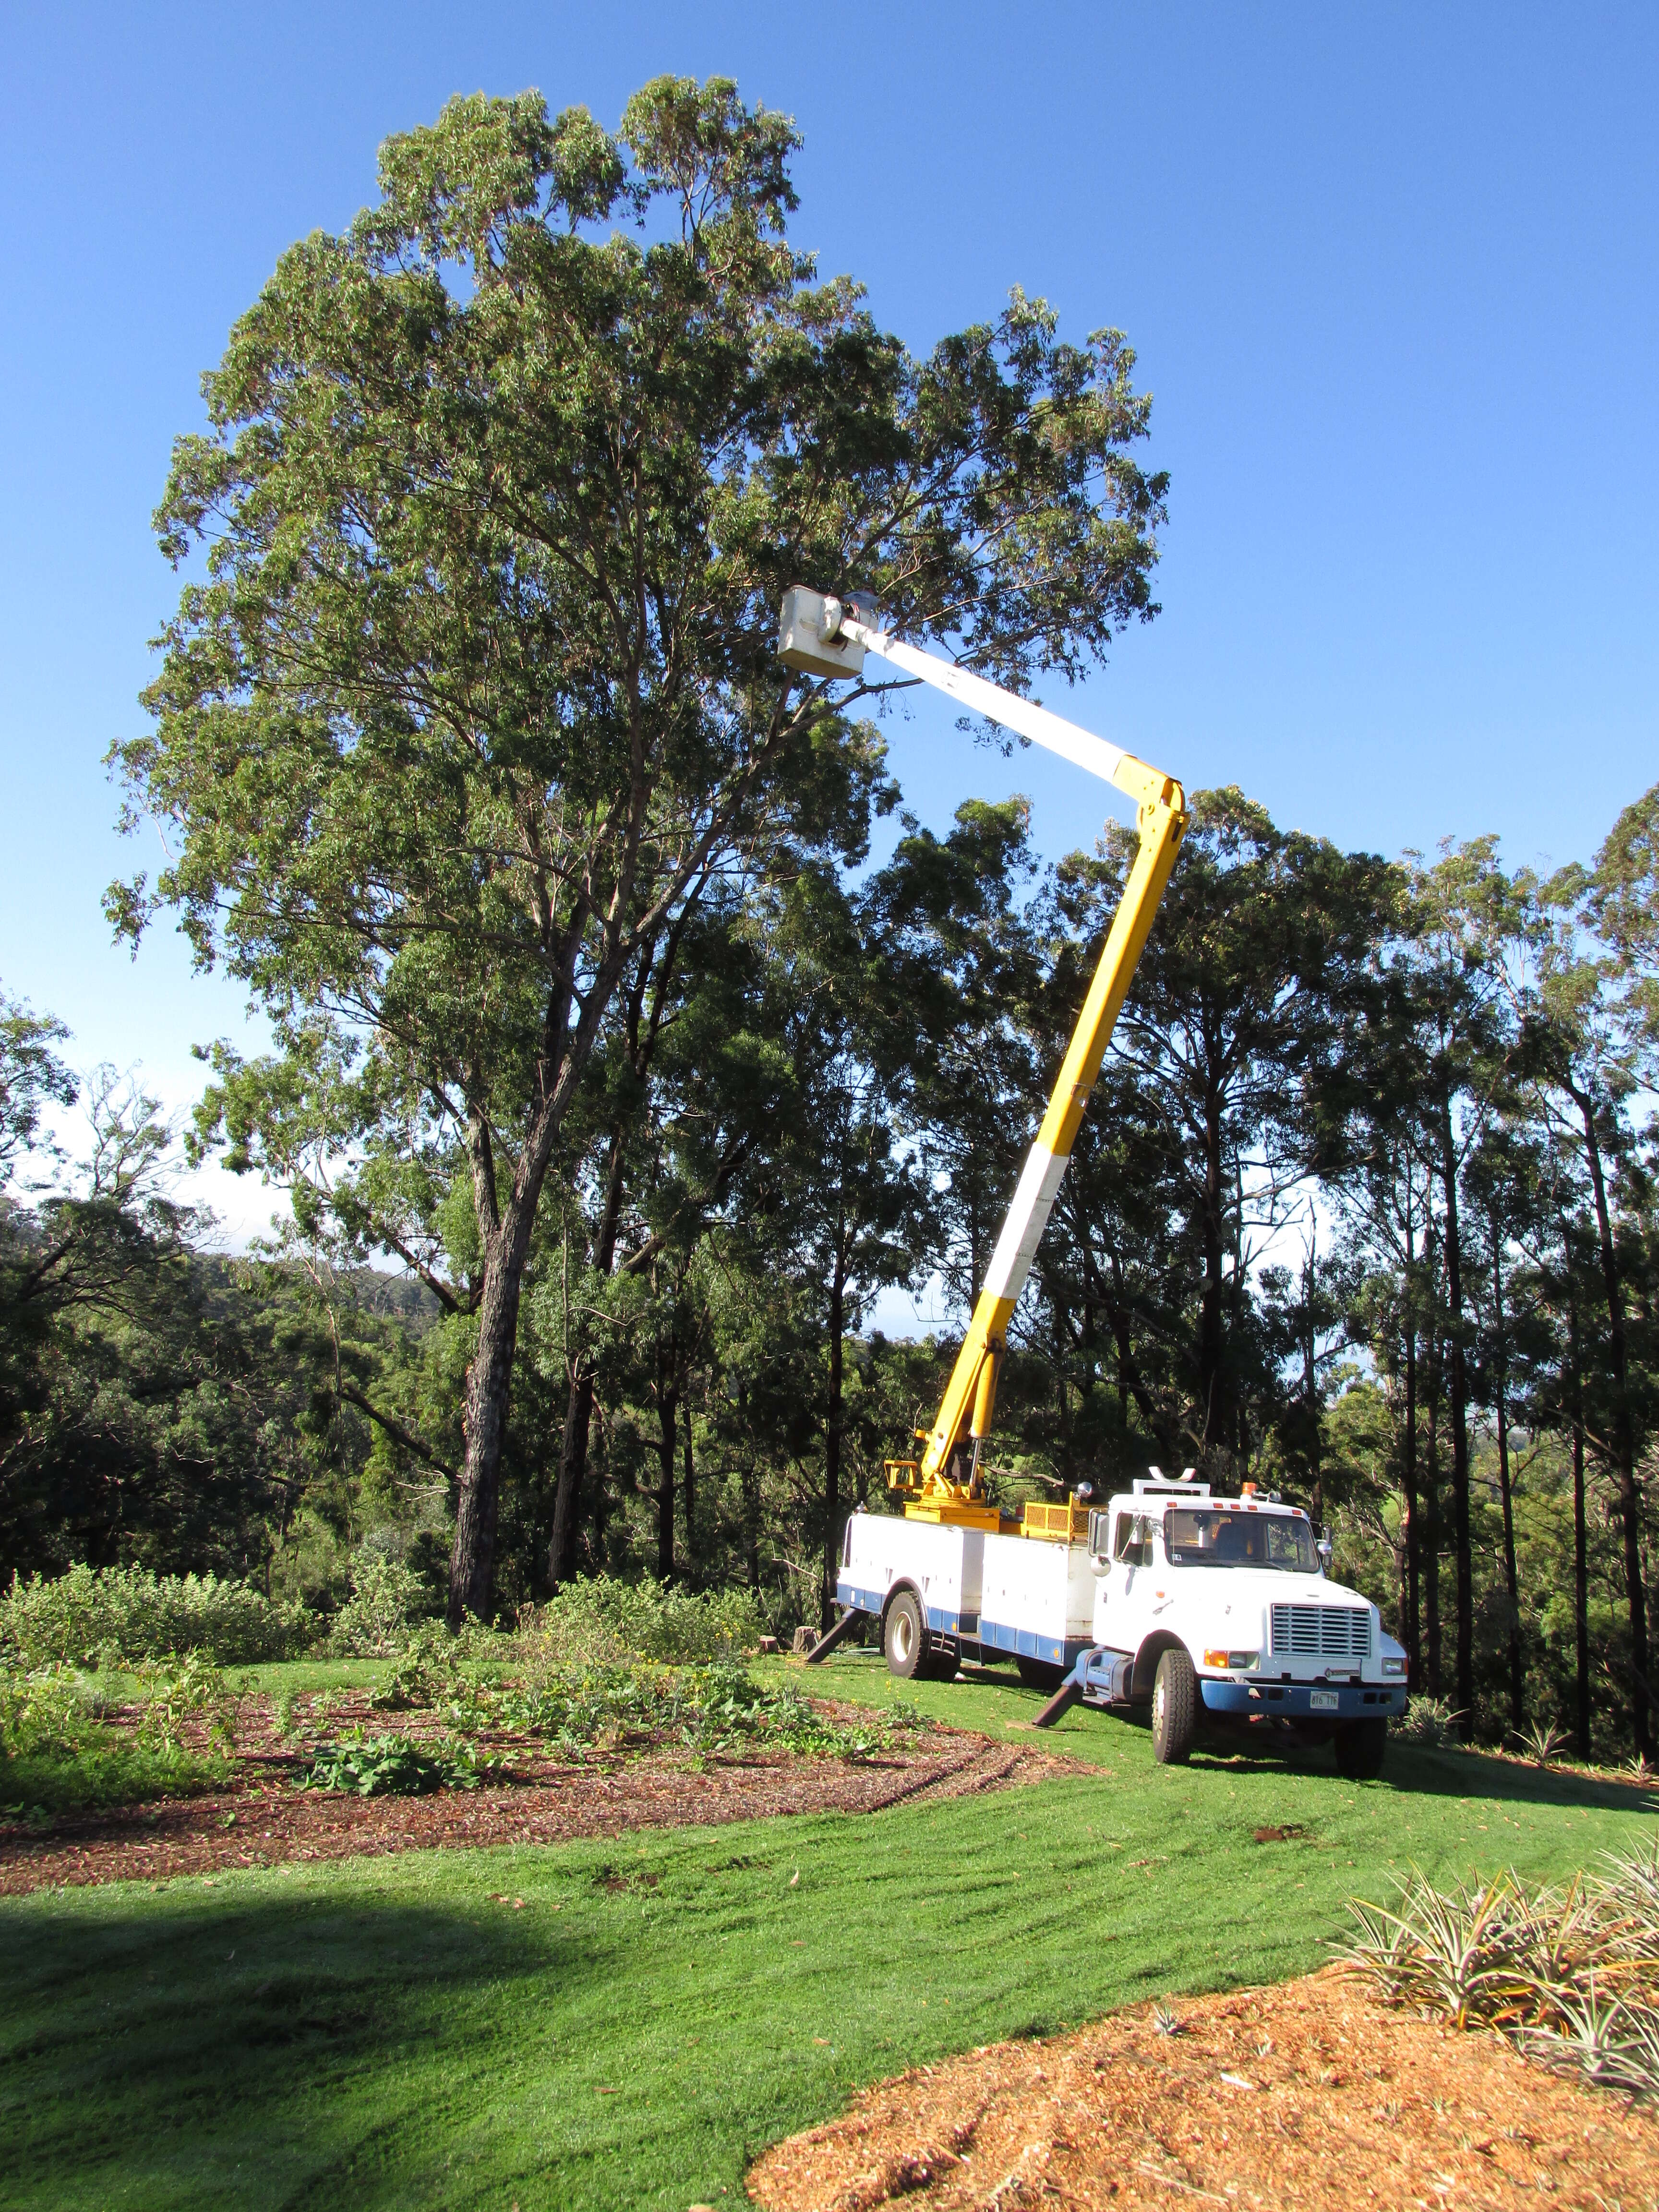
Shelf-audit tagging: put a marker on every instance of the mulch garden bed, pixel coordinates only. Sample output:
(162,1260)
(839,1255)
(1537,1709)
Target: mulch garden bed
(1310,2094)
(261,1819)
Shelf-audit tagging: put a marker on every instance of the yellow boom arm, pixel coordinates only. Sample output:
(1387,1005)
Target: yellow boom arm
(825,637)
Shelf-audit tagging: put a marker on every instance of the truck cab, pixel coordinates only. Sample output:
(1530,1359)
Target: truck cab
(1232,1592)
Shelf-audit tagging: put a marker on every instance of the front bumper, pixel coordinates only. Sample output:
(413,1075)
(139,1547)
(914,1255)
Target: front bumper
(1287,1701)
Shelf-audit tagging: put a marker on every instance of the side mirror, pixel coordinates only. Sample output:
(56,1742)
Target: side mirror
(1325,1547)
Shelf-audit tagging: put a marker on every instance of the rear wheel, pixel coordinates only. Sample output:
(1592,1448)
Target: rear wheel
(1174,1708)
(1040,1673)
(904,1638)
(1361,1748)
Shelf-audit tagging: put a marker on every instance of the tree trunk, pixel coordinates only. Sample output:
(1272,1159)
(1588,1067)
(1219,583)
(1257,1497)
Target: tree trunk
(688,1491)
(832,1435)
(1511,1581)
(484,1403)
(1310,1389)
(1624,1449)
(749,1479)
(667,1408)
(1460,1433)
(1119,1321)
(1580,1542)
(1212,1389)
(579,1409)
(1431,1527)
(573,1466)
(1412,1624)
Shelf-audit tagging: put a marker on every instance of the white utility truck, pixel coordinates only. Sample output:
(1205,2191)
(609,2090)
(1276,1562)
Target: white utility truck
(1213,1612)
(1207,1609)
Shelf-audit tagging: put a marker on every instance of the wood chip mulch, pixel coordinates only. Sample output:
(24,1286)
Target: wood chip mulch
(1310,2094)
(263,1820)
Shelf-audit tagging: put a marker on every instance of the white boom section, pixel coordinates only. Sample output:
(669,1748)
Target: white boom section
(1040,1179)
(821,635)
(1081,747)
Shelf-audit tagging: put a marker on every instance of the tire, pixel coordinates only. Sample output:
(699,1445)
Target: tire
(1174,1708)
(1040,1673)
(904,1638)
(1361,1748)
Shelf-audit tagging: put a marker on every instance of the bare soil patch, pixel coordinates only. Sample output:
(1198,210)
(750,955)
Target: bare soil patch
(1311,2094)
(262,1818)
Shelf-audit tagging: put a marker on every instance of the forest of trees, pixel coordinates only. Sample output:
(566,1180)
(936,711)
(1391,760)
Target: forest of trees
(1364,1210)
(612,1082)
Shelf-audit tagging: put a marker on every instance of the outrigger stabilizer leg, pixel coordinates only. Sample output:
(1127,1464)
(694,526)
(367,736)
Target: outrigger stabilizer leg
(831,1636)
(1100,1677)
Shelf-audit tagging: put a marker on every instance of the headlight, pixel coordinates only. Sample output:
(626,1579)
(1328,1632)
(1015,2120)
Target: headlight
(1244,1660)
(1394,1665)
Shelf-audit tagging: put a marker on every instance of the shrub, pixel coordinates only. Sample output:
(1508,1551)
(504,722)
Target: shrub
(90,1612)
(1542,1742)
(606,1622)
(377,1619)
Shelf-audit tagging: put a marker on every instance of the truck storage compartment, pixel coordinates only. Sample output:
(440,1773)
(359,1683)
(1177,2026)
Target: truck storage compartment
(944,1565)
(1036,1599)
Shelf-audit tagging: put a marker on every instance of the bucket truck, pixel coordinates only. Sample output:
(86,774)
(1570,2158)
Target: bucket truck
(1212,1612)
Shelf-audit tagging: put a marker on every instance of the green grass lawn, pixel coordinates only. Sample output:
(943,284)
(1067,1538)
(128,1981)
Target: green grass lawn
(383,2034)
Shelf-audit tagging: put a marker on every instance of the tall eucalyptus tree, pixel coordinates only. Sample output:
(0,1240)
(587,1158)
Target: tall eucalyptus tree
(475,681)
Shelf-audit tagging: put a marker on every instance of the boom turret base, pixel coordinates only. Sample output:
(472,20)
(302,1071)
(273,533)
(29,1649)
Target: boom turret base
(960,1513)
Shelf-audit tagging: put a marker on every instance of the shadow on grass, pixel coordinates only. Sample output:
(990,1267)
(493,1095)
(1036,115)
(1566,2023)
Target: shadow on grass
(1411,1767)
(179,2049)
(1414,1770)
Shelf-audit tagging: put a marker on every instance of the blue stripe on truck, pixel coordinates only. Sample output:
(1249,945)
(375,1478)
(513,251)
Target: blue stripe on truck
(940,1619)
(1025,1644)
(860,1600)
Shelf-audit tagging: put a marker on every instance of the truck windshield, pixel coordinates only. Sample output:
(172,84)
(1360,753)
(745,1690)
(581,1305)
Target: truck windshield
(1194,1537)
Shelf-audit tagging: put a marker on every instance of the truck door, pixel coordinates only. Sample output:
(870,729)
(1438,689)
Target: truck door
(1130,1597)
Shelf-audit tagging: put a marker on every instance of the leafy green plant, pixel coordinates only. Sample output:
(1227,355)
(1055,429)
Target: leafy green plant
(393,1766)
(705,1710)
(174,1691)
(413,1684)
(55,1755)
(42,1706)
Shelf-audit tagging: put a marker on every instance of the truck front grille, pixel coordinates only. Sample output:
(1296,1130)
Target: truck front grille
(1322,1631)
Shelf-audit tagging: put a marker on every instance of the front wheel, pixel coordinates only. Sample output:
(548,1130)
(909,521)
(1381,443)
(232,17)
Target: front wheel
(1174,1708)
(1361,1748)
(904,1638)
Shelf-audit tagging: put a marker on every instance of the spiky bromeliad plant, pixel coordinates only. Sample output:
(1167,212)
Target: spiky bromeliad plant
(1570,1976)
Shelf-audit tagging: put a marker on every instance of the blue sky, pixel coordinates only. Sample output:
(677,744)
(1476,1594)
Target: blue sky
(1389,271)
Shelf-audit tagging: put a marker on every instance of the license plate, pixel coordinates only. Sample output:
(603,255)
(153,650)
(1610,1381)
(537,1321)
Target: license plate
(1323,1701)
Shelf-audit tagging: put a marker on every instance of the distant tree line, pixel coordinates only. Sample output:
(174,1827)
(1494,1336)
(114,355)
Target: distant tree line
(592,1018)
